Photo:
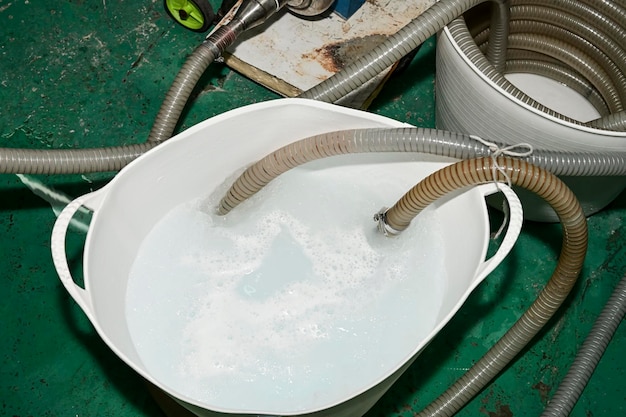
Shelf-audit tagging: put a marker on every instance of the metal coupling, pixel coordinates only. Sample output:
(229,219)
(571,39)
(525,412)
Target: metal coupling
(309,7)
(383,227)
(252,13)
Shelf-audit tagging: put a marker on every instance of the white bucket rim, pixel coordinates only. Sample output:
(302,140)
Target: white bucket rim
(98,198)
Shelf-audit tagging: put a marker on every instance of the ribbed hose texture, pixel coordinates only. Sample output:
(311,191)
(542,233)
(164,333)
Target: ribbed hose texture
(432,141)
(569,48)
(556,71)
(180,90)
(397,46)
(586,36)
(562,200)
(458,31)
(70,161)
(422,140)
(599,70)
(615,121)
(589,355)
(499,36)
(457,176)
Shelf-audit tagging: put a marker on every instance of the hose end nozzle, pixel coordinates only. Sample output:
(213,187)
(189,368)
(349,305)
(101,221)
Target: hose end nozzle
(252,13)
(309,8)
(383,227)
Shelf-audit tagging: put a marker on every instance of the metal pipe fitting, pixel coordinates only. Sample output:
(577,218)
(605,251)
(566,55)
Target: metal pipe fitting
(309,7)
(253,13)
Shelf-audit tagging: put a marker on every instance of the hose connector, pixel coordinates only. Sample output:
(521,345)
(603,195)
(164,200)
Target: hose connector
(252,13)
(309,7)
(383,227)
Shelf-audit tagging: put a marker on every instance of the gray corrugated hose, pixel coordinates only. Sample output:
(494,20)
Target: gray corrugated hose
(178,94)
(416,32)
(589,355)
(603,18)
(587,36)
(402,43)
(69,161)
(27,161)
(422,140)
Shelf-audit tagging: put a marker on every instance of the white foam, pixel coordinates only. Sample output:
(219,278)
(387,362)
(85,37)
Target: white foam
(290,302)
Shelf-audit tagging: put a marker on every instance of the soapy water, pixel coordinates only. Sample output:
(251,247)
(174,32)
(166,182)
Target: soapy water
(293,301)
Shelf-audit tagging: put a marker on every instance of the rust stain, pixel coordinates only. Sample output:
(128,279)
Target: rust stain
(544,391)
(336,55)
(503,410)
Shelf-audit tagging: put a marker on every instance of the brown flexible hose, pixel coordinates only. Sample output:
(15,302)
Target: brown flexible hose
(454,177)
(282,160)
(560,197)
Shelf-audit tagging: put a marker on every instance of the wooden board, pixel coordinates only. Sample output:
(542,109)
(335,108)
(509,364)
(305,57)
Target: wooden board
(289,54)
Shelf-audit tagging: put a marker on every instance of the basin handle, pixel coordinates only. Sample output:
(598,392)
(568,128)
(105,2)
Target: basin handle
(59,256)
(516,218)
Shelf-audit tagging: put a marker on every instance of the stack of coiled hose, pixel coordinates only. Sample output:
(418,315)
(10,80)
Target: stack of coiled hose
(581,44)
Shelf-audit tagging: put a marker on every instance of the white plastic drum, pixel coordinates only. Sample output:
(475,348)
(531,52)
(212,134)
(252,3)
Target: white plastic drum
(469,102)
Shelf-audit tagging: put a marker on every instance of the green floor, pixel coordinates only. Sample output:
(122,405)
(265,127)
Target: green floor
(87,73)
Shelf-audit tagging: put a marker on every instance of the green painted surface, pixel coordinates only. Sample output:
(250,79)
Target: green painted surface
(88,73)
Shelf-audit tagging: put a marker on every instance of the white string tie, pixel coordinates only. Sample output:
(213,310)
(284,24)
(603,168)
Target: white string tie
(520,150)
(523,150)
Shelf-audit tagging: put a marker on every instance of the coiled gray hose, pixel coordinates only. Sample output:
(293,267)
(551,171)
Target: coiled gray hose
(459,30)
(554,70)
(589,355)
(603,17)
(587,36)
(582,56)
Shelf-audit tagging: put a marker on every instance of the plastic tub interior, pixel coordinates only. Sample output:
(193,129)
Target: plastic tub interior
(201,158)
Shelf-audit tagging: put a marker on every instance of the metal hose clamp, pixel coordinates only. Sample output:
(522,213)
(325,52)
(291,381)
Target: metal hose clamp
(381,218)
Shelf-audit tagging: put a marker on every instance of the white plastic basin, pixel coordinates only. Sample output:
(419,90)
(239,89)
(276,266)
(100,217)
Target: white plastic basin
(196,162)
